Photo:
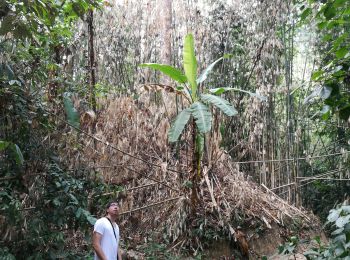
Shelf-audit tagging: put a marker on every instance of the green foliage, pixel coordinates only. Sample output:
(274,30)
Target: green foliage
(206,233)
(15,149)
(198,108)
(190,89)
(339,246)
(6,255)
(333,74)
(219,91)
(205,73)
(179,124)
(168,70)
(190,65)
(221,103)
(41,230)
(29,19)
(202,116)
(40,203)
(289,247)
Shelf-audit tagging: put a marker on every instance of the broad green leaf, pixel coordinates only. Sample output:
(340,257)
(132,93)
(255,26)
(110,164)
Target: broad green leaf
(325,92)
(71,112)
(322,25)
(333,215)
(202,116)
(190,64)
(305,14)
(339,3)
(89,217)
(347,11)
(339,41)
(91,220)
(221,103)
(325,112)
(318,240)
(339,251)
(311,252)
(78,212)
(205,73)
(15,149)
(74,200)
(218,91)
(327,37)
(347,229)
(9,71)
(315,75)
(281,249)
(337,231)
(4,145)
(18,154)
(329,12)
(13,82)
(179,125)
(320,92)
(170,71)
(341,52)
(341,238)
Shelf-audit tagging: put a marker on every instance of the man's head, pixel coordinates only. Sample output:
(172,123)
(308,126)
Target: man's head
(112,208)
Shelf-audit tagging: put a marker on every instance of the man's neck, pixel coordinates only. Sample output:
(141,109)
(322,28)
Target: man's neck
(112,218)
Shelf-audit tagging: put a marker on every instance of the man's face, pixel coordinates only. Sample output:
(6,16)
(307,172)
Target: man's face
(113,209)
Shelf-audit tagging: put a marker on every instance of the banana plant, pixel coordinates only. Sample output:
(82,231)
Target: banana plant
(198,107)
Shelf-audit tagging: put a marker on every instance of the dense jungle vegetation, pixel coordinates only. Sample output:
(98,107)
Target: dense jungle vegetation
(208,120)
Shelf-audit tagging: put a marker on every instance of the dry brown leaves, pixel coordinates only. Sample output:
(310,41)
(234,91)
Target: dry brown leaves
(139,127)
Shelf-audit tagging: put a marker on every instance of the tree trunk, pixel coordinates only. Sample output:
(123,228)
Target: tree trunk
(166,30)
(165,35)
(92,64)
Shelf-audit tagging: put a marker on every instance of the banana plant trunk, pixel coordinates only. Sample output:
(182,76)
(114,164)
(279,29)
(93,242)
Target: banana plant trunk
(195,169)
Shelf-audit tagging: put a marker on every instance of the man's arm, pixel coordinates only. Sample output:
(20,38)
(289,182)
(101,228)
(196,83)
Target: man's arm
(119,254)
(96,244)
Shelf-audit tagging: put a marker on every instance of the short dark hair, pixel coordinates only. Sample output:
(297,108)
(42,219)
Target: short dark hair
(109,203)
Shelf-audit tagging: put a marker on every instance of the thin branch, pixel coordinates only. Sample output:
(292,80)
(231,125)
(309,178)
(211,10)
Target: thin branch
(294,159)
(329,179)
(152,179)
(131,189)
(151,205)
(286,185)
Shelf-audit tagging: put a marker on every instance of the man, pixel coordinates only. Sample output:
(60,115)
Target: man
(105,239)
